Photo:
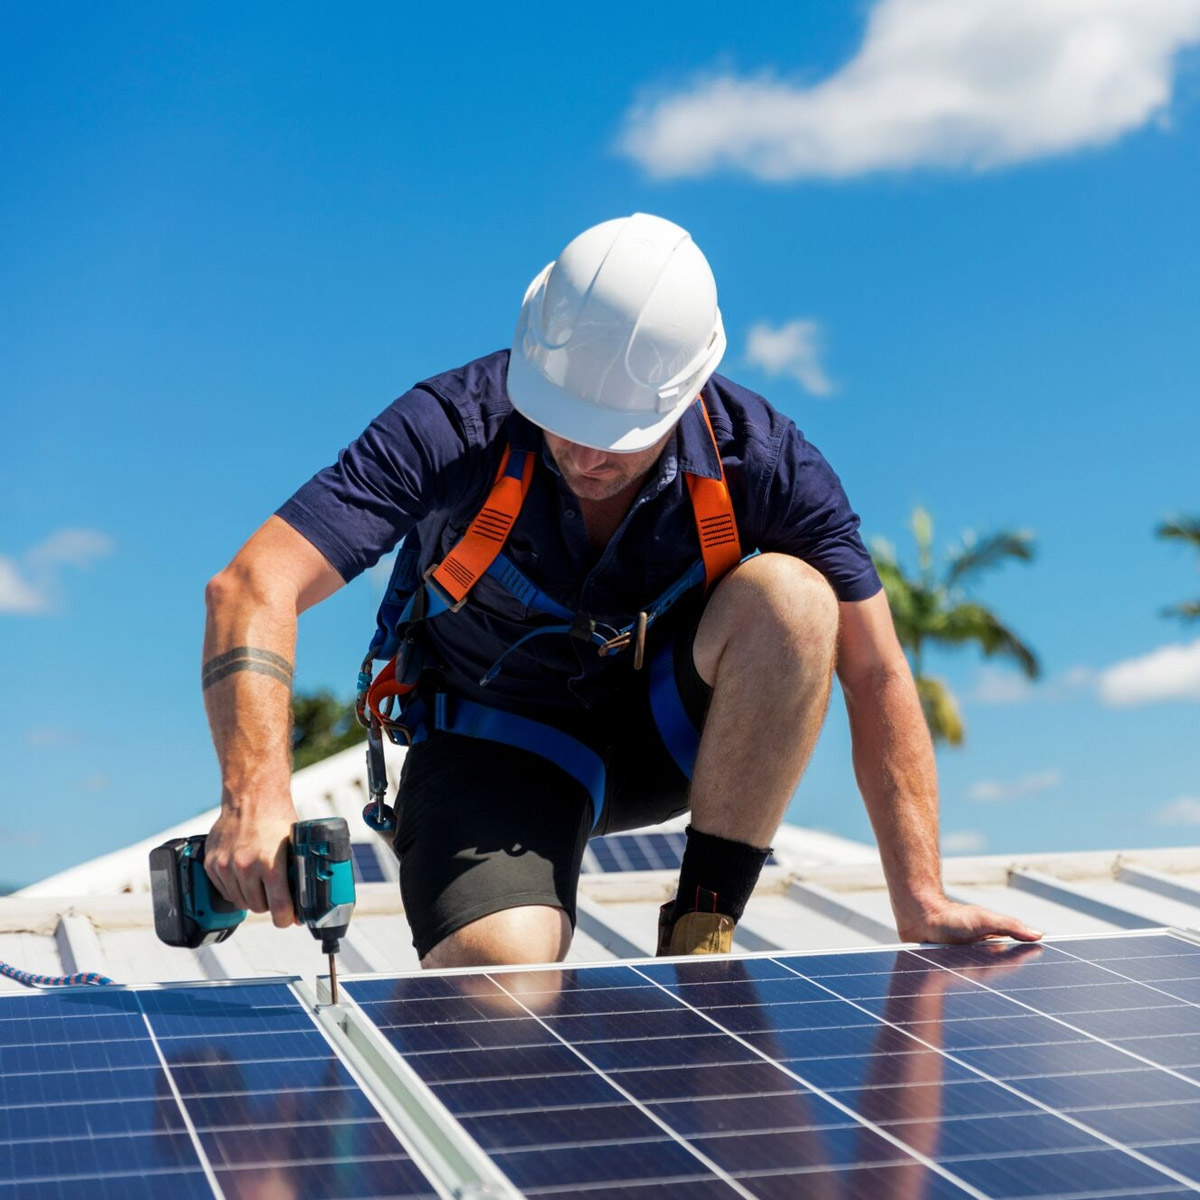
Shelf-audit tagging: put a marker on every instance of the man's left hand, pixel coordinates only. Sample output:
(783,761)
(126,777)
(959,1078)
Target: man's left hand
(954,922)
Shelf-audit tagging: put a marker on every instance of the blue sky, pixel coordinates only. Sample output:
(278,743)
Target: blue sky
(957,244)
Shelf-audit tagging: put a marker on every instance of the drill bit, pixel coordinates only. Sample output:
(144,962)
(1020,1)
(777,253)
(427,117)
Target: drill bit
(333,988)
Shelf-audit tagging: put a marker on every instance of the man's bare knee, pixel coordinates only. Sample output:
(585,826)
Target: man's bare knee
(530,933)
(773,602)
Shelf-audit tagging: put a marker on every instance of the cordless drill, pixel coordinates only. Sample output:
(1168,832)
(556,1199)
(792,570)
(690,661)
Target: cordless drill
(189,911)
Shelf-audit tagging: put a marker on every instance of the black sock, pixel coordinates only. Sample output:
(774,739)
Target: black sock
(717,874)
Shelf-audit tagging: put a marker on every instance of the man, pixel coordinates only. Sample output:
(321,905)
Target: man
(584,625)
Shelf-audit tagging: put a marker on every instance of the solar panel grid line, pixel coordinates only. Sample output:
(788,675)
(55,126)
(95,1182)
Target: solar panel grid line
(205,1163)
(715,1169)
(1101,1161)
(95,1143)
(909,1151)
(1091,1037)
(446,1153)
(1049,1109)
(1131,1151)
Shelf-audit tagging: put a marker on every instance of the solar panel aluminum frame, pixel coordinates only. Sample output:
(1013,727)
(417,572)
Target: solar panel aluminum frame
(450,1158)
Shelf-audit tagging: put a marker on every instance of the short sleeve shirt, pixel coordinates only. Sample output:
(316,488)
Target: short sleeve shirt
(423,468)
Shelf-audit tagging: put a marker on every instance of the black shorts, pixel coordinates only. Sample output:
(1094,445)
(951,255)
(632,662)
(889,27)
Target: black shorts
(483,826)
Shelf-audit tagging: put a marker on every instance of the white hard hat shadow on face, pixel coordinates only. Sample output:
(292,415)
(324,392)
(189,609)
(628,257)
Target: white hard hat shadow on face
(617,336)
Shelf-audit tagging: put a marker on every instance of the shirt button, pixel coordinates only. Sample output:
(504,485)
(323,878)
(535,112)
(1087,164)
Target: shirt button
(569,513)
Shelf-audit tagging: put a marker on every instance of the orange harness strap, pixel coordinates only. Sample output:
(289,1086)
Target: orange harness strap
(467,560)
(713,509)
(485,536)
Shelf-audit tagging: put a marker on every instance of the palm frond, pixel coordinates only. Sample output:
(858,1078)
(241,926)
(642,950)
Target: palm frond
(978,554)
(922,527)
(973,623)
(1180,529)
(940,709)
(1187,611)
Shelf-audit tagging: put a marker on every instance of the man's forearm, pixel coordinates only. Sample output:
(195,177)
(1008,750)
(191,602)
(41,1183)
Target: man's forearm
(249,648)
(897,775)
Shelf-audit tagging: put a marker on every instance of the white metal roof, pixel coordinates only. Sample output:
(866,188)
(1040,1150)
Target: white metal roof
(825,893)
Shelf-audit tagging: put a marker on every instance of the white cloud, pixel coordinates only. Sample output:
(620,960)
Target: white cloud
(30,584)
(935,83)
(793,350)
(994,686)
(964,841)
(992,791)
(50,736)
(1184,811)
(1168,673)
(16,595)
(71,547)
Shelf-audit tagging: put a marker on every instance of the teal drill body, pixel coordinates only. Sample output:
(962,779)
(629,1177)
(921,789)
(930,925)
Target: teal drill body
(189,911)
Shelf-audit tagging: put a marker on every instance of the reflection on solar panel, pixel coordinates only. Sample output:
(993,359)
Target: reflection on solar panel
(367,866)
(1063,1070)
(186,1092)
(641,851)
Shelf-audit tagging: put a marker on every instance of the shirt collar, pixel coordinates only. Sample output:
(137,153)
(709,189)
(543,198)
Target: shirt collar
(697,451)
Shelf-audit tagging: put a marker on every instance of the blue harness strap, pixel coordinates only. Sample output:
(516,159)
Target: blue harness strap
(454,715)
(679,735)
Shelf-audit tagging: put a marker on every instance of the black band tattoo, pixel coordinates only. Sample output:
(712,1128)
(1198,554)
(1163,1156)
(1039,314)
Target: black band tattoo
(246,658)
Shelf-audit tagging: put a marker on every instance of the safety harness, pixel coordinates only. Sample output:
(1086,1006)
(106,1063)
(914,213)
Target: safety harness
(388,703)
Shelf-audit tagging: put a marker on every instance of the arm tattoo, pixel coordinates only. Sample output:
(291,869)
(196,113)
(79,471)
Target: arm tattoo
(246,658)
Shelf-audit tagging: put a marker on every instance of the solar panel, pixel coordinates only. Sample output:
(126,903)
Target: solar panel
(1067,1069)
(642,851)
(188,1092)
(367,866)
(638,851)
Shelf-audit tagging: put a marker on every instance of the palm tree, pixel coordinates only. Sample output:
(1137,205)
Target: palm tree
(933,608)
(1186,530)
(321,725)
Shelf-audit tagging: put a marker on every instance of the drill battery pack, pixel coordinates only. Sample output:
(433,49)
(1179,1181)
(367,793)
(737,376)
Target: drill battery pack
(188,910)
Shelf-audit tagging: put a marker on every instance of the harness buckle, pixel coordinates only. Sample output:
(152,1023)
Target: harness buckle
(444,596)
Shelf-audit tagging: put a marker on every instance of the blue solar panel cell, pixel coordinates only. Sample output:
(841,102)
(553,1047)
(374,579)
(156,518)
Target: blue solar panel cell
(1181,989)
(526,1095)
(898,1180)
(1149,1021)
(1016,1133)
(1067,1092)
(180,1185)
(639,851)
(1057,1173)
(365,859)
(1183,1050)
(608,1027)
(704,1187)
(812,1015)
(1183,1157)
(661,1160)
(618,1122)
(1106,949)
(79,1113)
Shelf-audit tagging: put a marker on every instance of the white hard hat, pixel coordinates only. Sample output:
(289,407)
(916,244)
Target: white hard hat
(617,337)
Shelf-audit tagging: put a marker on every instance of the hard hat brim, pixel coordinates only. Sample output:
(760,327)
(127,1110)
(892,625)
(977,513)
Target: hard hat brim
(619,432)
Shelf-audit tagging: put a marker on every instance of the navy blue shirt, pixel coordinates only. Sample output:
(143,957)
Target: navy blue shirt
(423,468)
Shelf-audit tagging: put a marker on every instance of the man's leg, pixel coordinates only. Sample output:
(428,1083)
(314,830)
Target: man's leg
(490,840)
(766,646)
(531,933)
